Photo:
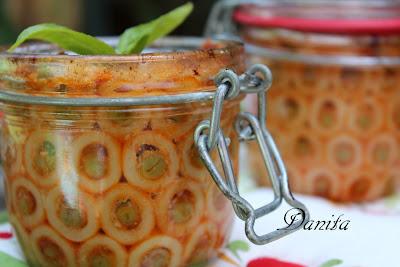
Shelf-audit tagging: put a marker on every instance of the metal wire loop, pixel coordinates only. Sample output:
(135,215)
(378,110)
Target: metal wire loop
(249,127)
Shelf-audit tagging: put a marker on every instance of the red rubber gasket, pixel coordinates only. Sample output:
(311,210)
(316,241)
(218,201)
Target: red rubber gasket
(343,26)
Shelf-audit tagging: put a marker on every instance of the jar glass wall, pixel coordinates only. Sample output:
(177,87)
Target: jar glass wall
(114,186)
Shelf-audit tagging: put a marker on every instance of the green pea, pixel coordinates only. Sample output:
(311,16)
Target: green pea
(128,214)
(26,201)
(182,207)
(45,159)
(72,217)
(100,261)
(153,166)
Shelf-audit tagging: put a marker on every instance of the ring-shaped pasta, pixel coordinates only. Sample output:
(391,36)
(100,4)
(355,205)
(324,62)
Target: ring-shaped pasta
(192,166)
(102,251)
(323,182)
(200,247)
(74,218)
(43,152)
(96,159)
(219,208)
(157,251)
(287,110)
(326,115)
(382,151)
(23,240)
(128,215)
(344,153)
(27,202)
(362,186)
(11,155)
(150,161)
(180,207)
(304,148)
(122,121)
(365,117)
(51,249)
(175,124)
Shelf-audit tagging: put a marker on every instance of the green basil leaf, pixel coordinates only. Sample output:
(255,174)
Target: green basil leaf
(331,263)
(236,246)
(131,40)
(9,261)
(65,38)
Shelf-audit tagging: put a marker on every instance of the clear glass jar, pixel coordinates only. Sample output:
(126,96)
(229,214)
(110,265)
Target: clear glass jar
(334,106)
(114,186)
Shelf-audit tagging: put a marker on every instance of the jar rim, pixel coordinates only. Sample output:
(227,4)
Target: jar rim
(37,51)
(182,67)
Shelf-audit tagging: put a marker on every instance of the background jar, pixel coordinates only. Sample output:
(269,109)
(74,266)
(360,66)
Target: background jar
(334,104)
(119,185)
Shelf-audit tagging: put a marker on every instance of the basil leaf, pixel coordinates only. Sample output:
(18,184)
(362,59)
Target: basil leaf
(236,246)
(331,263)
(9,261)
(65,38)
(131,40)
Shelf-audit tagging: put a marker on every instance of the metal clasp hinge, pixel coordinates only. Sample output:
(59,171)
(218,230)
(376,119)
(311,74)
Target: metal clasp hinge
(209,135)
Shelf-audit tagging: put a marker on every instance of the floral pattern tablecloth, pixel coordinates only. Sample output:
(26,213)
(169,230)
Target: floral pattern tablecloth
(372,238)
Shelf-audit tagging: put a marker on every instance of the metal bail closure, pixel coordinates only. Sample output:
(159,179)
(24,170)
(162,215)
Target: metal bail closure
(208,135)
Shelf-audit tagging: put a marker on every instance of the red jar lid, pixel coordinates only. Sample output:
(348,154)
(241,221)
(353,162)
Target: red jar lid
(370,22)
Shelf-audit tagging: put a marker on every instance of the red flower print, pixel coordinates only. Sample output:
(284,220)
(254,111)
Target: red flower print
(270,262)
(5,235)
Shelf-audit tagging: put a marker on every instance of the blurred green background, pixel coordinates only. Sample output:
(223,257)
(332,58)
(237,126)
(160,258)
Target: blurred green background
(96,17)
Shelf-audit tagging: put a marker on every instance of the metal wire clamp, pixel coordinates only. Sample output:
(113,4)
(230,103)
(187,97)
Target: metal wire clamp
(209,135)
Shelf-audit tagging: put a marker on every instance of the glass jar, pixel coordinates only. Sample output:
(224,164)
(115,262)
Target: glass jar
(100,158)
(334,106)
(113,186)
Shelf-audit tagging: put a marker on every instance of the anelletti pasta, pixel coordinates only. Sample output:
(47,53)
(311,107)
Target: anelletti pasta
(157,251)
(11,153)
(74,217)
(130,215)
(382,151)
(180,208)
(344,153)
(200,245)
(326,115)
(365,118)
(27,202)
(102,251)
(323,182)
(42,155)
(150,161)
(96,159)
(218,206)
(51,249)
